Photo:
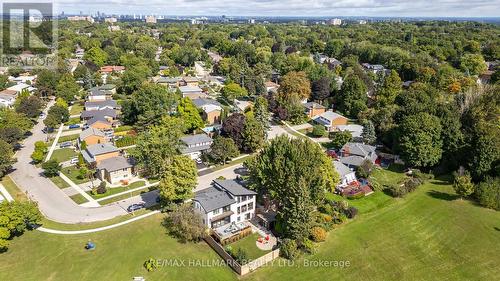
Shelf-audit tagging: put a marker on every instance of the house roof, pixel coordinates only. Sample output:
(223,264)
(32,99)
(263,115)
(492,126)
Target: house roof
(19,87)
(352,160)
(330,115)
(190,89)
(360,149)
(116,163)
(107,87)
(101,148)
(190,79)
(311,105)
(234,187)
(213,198)
(355,129)
(91,132)
(196,139)
(97,119)
(342,169)
(101,104)
(168,80)
(202,102)
(8,93)
(107,112)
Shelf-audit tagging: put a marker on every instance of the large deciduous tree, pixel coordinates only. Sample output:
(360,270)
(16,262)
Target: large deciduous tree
(233,127)
(189,114)
(321,89)
(253,135)
(67,88)
(6,157)
(352,98)
(223,149)
(179,180)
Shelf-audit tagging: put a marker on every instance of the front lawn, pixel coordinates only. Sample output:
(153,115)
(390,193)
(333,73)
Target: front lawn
(76,108)
(69,137)
(78,198)
(119,255)
(57,180)
(13,189)
(248,245)
(115,190)
(63,154)
(73,173)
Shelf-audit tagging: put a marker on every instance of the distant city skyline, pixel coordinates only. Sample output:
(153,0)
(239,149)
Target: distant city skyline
(275,8)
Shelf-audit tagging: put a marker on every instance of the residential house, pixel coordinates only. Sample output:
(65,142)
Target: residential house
(109,69)
(100,105)
(18,88)
(92,136)
(116,169)
(376,68)
(347,175)
(271,87)
(101,93)
(212,110)
(99,152)
(355,130)
(79,53)
(8,98)
(195,145)
(353,154)
(26,79)
(192,92)
(225,202)
(190,81)
(110,114)
(330,120)
(172,82)
(242,105)
(313,109)
(100,123)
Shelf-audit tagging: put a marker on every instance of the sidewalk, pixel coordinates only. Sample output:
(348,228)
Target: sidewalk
(5,193)
(92,202)
(54,144)
(127,191)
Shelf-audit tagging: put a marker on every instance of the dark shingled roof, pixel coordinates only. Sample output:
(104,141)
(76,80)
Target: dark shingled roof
(234,187)
(213,198)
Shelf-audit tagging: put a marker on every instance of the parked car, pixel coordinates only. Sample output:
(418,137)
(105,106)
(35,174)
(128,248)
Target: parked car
(135,207)
(65,144)
(73,160)
(199,161)
(74,126)
(42,115)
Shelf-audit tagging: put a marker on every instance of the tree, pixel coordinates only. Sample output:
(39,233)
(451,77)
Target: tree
(157,146)
(96,55)
(11,119)
(389,90)
(11,135)
(189,114)
(321,89)
(463,185)
(488,193)
(46,82)
(184,223)
(31,107)
(296,173)
(179,180)
(39,152)
(253,135)
(60,114)
(51,168)
(339,139)
(6,157)
(223,149)
(295,86)
(67,88)
(319,131)
(419,139)
(233,127)
(352,98)
(232,91)
(261,113)
(368,133)
(134,77)
(15,218)
(334,48)
(473,64)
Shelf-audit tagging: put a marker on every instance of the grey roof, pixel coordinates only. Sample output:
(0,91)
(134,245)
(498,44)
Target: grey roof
(100,148)
(213,198)
(330,115)
(107,112)
(342,169)
(107,87)
(91,132)
(169,80)
(96,119)
(186,150)
(101,104)
(190,89)
(116,163)
(201,102)
(354,148)
(234,187)
(88,158)
(196,139)
(355,129)
(352,160)
(311,105)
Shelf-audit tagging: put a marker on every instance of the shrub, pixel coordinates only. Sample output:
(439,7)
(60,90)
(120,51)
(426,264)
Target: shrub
(126,141)
(318,234)
(308,246)
(241,256)
(351,212)
(51,168)
(288,249)
(327,218)
(184,223)
(101,189)
(319,131)
(365,169)
(325,208)
(151,264)
(488,193)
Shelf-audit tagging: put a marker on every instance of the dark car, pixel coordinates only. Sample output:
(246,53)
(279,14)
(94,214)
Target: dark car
(75,126)
(135,207)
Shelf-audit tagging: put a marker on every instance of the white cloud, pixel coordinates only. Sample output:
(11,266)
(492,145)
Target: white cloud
(457,8)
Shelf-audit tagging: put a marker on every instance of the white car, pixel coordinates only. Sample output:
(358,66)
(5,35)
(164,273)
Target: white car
(73,160)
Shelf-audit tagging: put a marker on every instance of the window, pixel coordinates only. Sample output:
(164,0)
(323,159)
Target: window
(238,210)
(247,216)
(226,209)
(243,208)
(250,206)
(216,211)
(239,218)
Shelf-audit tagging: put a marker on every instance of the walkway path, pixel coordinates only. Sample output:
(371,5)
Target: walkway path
(5,193)
(89,198)
(54,144)
(73,232)
(127,191)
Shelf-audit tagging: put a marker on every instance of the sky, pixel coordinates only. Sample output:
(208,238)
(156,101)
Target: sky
(393,8)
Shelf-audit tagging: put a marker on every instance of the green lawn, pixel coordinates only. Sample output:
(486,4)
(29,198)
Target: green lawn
(374,201)
(126,196)
(73,172)
(73,121)
(69,138)
(115,190)
(78,198)
(119,255)
(77,108)
(12,189)
(394,174)
(63,154)
(57,180)
(429,235)
(249,246)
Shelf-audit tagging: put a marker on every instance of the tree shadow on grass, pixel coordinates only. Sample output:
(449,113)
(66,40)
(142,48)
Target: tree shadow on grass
(496,228)
(442,195)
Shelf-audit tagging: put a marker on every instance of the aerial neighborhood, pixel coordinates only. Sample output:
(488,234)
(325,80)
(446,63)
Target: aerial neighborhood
(276,148)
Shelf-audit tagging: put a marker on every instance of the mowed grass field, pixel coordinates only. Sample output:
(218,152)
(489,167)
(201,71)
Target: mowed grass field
(429,235)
